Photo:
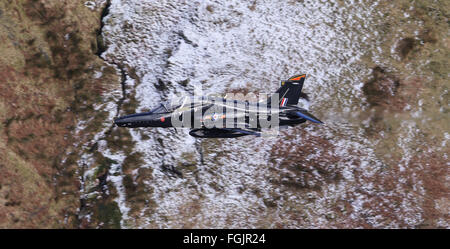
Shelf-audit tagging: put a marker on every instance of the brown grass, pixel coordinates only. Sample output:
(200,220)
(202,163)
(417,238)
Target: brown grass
(300,170)
(45,84)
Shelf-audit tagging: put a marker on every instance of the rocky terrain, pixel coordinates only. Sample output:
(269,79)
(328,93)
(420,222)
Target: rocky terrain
(47,85)
(377,76)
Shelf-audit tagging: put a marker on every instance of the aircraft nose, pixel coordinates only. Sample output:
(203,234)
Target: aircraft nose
(120,122)
(139,120)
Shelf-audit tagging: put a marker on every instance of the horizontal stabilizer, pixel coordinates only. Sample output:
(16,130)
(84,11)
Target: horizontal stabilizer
(308,116)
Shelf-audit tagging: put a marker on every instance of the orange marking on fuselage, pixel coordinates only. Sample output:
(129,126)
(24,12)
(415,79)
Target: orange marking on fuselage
(298,78)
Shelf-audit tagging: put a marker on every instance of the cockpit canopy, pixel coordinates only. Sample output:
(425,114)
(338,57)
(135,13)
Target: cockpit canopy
(170,106)
(181,102)
(164,107)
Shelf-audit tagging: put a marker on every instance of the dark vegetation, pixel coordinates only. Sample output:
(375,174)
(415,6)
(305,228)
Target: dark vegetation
(46,88)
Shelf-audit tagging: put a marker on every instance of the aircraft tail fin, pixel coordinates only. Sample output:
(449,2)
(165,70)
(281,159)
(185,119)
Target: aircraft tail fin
(291,90)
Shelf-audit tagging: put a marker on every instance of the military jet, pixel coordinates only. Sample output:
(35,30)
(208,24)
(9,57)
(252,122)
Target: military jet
(216,117)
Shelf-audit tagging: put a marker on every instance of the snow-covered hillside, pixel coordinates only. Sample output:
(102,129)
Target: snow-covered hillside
(329,175)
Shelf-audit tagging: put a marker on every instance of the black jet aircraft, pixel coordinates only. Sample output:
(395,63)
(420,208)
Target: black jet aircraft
(213,117)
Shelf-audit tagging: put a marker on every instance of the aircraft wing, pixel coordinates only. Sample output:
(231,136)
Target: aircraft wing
(244,131)
(223,132)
